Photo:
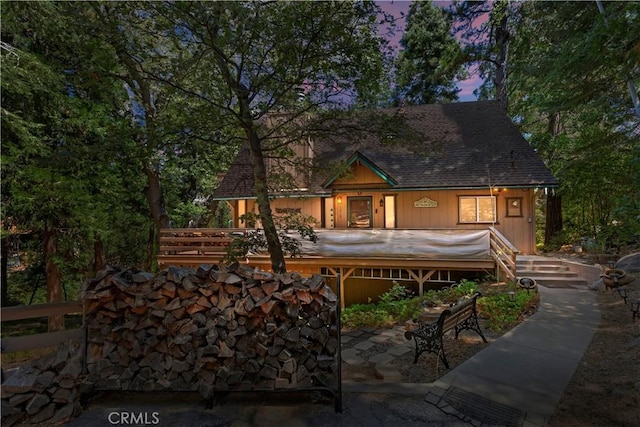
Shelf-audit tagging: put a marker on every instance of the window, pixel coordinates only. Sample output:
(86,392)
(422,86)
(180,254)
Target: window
(514,206)
(359,212)
(477,209)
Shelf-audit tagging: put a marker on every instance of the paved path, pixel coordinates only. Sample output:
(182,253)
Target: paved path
(521,377)
(517,380)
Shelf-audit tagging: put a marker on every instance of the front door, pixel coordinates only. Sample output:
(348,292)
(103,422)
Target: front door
(359,212)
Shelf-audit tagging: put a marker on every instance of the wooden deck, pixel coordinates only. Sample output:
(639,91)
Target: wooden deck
(194,247)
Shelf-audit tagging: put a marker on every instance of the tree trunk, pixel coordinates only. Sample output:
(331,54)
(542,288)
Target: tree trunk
(502,46)
(52,274)
(5,272)
(553,217)
(278,264)
(151,246)
(159,215)
(553,221)
(99,259)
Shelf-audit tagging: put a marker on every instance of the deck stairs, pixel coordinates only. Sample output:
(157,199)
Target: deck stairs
(549,272)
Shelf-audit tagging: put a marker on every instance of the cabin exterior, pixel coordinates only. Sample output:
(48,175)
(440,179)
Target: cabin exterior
(470,169)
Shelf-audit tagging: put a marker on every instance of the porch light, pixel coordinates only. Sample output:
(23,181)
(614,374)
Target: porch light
(381,202)
(339,200)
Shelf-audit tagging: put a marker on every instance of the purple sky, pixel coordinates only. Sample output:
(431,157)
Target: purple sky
(396,8)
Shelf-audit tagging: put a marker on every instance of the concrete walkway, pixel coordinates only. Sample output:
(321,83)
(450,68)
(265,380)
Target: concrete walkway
(517,380)
(520,378)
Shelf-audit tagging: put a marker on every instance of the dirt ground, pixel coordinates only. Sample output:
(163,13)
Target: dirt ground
(604,391)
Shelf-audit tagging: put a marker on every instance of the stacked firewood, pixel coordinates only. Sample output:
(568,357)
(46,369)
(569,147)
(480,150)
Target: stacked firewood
(215,328)
(45,392)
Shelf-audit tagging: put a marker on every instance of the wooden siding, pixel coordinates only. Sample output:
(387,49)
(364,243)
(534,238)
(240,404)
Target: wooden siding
(359,176)
(307,205)
(520,231)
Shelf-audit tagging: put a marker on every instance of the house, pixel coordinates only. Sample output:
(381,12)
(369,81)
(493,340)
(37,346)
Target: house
(469,171)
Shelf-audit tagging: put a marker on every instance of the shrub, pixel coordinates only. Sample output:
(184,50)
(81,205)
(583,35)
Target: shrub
(396,306)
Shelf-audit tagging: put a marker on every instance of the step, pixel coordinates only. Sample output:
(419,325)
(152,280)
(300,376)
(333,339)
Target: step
(542,268)
(561,282)
(550,272)
(537,273)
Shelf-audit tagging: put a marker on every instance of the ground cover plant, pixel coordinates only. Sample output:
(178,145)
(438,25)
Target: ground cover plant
(501,305)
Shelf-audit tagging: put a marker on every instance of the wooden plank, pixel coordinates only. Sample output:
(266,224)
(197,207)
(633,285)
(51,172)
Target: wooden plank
(40,310)
(264,262)
(203,239)
(45,340)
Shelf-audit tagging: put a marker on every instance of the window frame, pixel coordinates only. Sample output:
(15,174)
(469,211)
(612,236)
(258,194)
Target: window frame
(513,211)
(477,220)
(357,198)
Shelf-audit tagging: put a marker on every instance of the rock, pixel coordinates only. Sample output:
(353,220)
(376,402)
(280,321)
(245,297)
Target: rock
(629,263)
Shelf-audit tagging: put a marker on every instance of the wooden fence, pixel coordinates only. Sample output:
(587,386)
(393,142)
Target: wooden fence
(42,340)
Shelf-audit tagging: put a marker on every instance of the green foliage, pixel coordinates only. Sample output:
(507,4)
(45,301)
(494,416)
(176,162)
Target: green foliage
(569,70)
(256,241)
(397,292)
(366,315)
(501,313)
(396,306)
(426,64)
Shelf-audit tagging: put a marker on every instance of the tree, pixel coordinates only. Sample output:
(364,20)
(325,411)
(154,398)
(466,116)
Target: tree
(427,63)
(263,55)
(485,28)
(569,76)
(57,135)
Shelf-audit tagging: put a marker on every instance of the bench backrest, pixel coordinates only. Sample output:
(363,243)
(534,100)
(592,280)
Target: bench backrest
(458,313)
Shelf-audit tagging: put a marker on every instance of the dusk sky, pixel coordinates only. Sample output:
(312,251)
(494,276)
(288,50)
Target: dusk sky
(396,8)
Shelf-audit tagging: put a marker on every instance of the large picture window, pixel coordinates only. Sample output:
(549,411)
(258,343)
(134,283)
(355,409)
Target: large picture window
(477,209)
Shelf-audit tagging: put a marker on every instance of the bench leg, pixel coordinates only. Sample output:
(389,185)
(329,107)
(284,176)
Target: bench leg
(442,354)
(433,345)
(472,324)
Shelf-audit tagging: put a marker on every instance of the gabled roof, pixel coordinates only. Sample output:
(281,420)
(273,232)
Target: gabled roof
(465,145)
(359,157)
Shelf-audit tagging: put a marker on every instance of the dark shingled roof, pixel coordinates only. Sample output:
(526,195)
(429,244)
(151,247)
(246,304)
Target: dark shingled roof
(466,145)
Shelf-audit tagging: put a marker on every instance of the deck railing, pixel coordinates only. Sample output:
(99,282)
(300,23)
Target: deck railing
(180,246)
(504,254)
(42,340)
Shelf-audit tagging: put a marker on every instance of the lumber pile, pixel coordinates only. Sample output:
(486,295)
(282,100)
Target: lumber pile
(213,328)
(45,392)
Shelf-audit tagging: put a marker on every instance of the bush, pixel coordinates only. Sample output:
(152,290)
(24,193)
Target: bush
(396,306)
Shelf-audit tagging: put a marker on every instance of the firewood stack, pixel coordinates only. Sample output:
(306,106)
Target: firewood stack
(46,391)
(215,328)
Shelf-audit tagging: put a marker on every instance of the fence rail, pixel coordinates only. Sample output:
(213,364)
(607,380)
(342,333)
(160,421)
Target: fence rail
(42,340)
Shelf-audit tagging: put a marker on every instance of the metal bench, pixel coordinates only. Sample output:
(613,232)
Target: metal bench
(428,337)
